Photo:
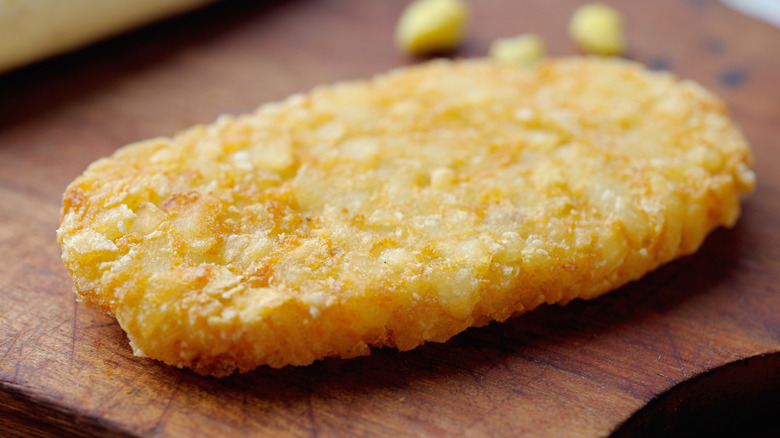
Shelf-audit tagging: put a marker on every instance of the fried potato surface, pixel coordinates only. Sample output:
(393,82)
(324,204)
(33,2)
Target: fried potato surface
(399,210)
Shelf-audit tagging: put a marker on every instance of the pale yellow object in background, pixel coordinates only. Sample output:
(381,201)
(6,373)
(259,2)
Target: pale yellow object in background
(35,29)
(526,50)
(429,26)
(598,29)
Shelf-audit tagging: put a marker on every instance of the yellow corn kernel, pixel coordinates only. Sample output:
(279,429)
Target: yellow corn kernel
(526,50)
(429,26)
(598,29)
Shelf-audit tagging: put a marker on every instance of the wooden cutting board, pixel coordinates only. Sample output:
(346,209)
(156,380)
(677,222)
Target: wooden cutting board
(580,370)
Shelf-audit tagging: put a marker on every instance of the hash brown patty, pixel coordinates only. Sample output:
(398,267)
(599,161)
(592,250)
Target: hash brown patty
(399,210)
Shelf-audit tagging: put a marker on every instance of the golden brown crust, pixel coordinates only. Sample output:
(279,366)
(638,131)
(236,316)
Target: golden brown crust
(399,210)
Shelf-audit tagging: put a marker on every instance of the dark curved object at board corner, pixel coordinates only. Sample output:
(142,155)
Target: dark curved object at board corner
(740,399)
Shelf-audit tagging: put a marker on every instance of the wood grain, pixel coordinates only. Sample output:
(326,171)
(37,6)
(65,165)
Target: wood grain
(579,370)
